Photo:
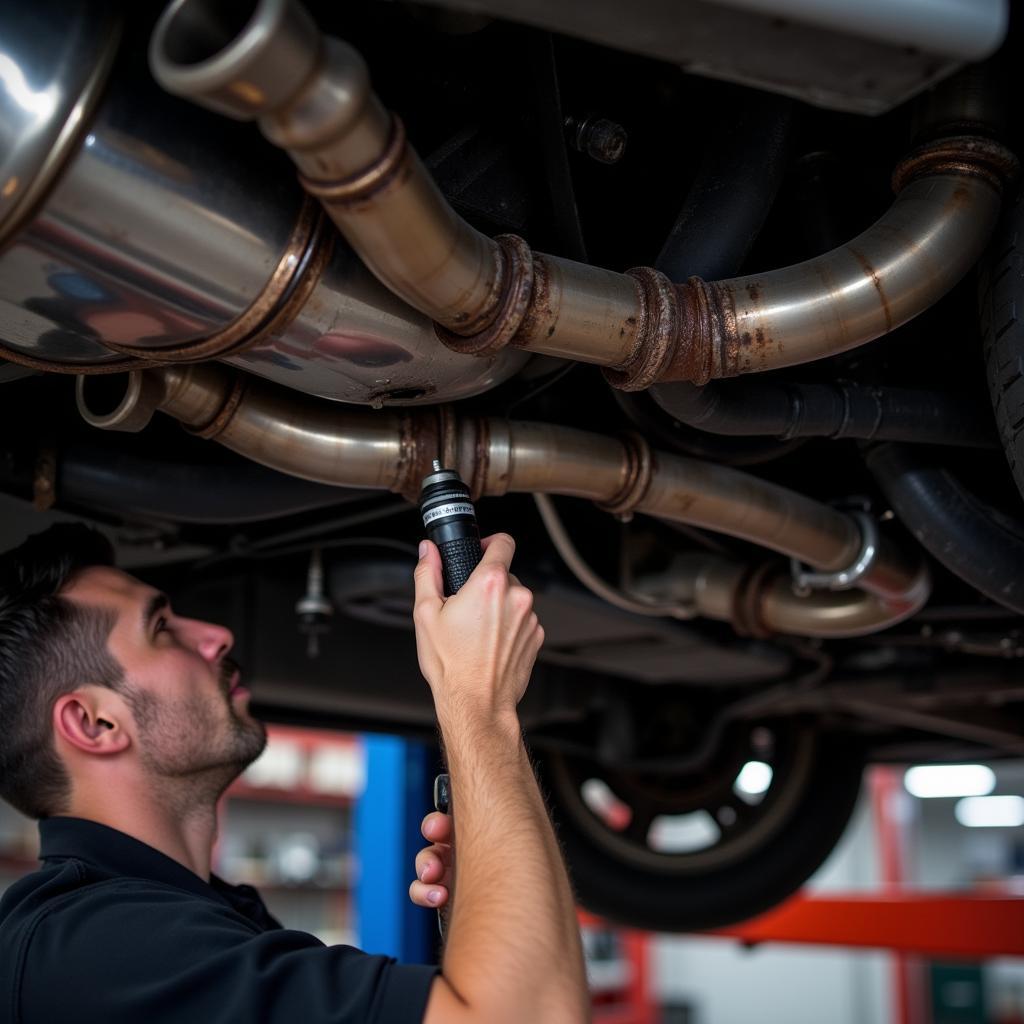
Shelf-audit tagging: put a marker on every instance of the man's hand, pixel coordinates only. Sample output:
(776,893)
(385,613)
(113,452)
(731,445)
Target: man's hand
(477,648)
(432,885)
(512,950)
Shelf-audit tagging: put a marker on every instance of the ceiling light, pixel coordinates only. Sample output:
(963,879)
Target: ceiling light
(938,780)
(991,811)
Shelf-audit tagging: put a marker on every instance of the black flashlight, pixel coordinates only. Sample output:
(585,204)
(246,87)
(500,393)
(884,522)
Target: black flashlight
(450,522)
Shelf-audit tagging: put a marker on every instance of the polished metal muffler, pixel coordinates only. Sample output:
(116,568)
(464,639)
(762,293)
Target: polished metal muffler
(135,230)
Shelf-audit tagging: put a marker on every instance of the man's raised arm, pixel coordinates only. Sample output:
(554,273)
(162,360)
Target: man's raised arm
(513,951)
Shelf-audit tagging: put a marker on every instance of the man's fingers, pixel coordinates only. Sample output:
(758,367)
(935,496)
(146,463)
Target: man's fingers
(431,865)
(427,576)
(498,549)
(437,827)
(430,896)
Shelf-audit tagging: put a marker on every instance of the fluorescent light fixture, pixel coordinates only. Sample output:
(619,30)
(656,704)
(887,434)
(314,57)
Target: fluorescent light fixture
(938,780)
(990,811)
(754,778)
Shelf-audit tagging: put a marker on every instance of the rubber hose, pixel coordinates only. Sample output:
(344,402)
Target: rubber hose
(729,200)
(720,219)
(787,410)
(973,541)
(722,216)
(673,434)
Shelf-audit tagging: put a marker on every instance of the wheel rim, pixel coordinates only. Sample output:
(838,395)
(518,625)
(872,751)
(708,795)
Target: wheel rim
(697,822)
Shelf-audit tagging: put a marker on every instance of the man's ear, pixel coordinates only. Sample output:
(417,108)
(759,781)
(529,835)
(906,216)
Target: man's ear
(92,719)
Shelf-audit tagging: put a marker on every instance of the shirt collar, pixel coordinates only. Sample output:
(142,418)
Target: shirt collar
(117,853)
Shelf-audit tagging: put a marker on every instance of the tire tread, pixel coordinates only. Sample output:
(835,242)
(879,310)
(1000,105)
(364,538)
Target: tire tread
(1000,290)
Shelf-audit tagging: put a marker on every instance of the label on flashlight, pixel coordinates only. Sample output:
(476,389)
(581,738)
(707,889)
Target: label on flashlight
(462,508)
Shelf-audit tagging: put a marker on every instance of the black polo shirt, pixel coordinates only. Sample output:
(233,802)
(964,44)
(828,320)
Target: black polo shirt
(111,930)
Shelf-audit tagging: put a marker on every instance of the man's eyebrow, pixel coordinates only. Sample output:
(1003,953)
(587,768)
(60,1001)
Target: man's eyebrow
(156,603)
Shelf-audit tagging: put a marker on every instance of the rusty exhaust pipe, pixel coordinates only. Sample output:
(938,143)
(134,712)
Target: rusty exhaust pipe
(311,95)
(392,450)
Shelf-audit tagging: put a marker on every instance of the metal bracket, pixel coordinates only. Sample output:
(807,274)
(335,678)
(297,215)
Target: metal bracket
(805,580)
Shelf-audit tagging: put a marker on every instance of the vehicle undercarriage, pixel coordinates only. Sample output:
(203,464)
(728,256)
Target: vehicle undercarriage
(722,332)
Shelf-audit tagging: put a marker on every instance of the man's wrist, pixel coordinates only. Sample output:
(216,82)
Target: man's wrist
(461,718)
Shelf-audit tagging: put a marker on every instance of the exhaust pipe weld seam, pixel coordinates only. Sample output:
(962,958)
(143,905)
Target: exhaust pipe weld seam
(293,280)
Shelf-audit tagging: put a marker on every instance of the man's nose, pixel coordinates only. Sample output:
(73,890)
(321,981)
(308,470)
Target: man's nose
(212,641)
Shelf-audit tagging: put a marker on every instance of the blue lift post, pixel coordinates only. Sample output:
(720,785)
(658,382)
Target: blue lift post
(398,793)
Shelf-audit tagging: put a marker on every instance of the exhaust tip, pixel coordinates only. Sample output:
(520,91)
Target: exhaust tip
(241,58)
(119,401)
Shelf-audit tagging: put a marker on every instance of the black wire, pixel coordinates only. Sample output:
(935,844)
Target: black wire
(319,529)
(341,542)
(311,536)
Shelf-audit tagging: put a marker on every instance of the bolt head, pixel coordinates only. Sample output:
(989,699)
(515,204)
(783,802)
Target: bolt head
(605,141)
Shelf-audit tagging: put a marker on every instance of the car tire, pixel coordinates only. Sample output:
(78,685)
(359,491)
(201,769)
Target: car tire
(1001,307)
(666,900)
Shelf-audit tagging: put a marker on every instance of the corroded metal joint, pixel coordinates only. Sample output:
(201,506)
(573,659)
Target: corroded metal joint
(973,155)
(708,344)
(395,163)
(639,471)
(478,451)
(437,432)
(422,435)
(516,273)
(657,333)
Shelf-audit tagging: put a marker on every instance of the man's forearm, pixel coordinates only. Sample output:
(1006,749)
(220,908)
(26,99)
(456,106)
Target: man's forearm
(513,948)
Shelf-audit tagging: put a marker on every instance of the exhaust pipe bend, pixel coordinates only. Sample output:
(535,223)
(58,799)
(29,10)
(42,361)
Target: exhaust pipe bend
(312,97)
(392,450)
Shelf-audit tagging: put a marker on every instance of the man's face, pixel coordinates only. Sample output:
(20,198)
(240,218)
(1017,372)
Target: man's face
(190,711)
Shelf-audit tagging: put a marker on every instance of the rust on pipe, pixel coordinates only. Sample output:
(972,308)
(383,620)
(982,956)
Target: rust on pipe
(312,96)
(914,254)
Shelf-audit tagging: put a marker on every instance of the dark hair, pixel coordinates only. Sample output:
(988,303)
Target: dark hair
(48,646)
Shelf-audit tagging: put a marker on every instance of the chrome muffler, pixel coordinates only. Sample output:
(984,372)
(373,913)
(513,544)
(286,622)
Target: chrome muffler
(136,230)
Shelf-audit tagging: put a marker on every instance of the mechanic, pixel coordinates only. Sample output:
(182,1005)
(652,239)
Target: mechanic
(122,725)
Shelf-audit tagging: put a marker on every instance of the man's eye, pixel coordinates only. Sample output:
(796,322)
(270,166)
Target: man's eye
(160,626)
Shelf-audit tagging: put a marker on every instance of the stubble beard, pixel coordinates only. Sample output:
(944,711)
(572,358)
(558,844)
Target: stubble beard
(189,760)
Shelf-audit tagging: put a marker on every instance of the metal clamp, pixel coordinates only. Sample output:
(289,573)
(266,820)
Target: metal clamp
(804,580)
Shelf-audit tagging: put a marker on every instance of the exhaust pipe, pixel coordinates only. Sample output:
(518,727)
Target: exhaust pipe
(311,96)
(393,450)
(128,242)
